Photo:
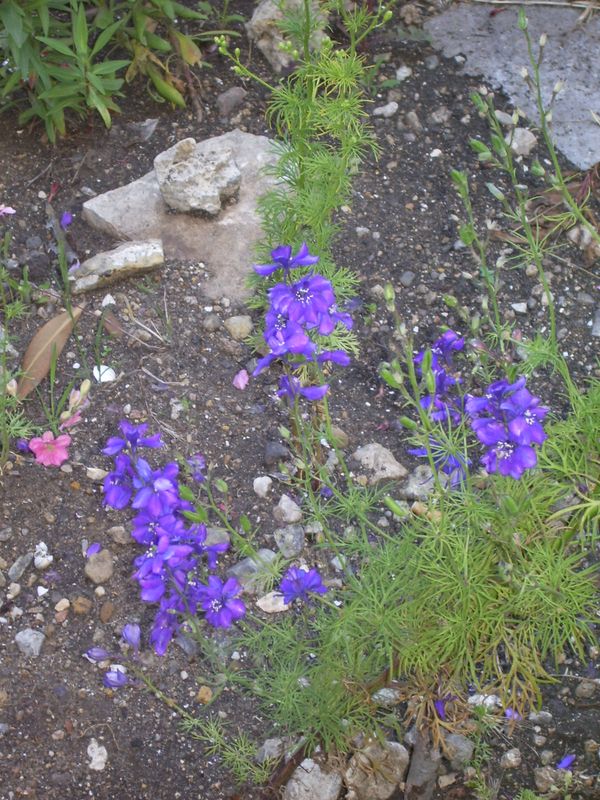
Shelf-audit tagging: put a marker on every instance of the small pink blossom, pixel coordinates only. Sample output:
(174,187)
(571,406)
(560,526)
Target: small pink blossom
(6,210)
(50,451)
(241,380)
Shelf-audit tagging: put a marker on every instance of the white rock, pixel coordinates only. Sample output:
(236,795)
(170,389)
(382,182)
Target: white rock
(311,782)
(42,558)
(388,110)
(95,473)
(521,140)
(29,642)
(380,461)
(197,177)
(287,511)
(375,771)
(519,308)
(511,759)
(239,327)
(262,485)
(108,300)
(272,603)
(98,755)
(403,72)
(104,374)
(126,260)
(63,604)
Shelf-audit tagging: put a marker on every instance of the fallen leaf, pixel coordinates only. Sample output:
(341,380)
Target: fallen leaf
(204,695)
(112,325)
(46,344)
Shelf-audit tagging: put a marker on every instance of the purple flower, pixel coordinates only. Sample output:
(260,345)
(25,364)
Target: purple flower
(524,413)
(131,634)
(299,583)
(291,388)
(94,548)
(197,463)
(115,678)
(6,210)
(96,654)
(509,459)
(157,489)
(444,461)
(566,762)
(440,705)
(166,625)
(339,357)
(66,220)
(283,259)
(133,438)
(306,302)
(148,528)
(220,603)
(118,487)
(510,713)
(23,445)
(447,344)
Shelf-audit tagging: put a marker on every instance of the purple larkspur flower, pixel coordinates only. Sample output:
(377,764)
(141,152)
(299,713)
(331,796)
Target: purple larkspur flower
(66,219)
(166,624)
(158,490)
(133,437)
(115,678)
(450,464)
(565,763)
(509,459)
(118,484)
(283,259)
(306,302)
(525,413)
(96,654)
(448,343)
(510,713)
(494,395)
(291,388)
(94,548)
(197,463)
(148,528)
(339,357)
(297,584)
(220,601)
(131,634)
(440,705)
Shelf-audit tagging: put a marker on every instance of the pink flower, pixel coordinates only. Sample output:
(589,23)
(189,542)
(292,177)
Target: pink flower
(50,451)
(241,380)
(6,210)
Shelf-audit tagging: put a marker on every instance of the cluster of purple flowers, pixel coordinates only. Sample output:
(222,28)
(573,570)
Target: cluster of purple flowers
(170,570)
(298,310)
(507,420)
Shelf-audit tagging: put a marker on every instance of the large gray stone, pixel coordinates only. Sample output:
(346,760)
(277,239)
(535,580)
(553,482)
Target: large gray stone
(224,244)
(495,48)
(311,782)
(197,177)
(124,261)
(375,771)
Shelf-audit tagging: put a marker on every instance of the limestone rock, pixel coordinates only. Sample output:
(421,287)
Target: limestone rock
(262,485)
(287,511)
(263,30)
(230,99)
(459,749)
(29,642)
(375,771)
(310,781)
(290,540)
(197,177)
(380,462)
(511,759)
(99,567)
(272,603)
(223,244)
(131,258)
(239,327)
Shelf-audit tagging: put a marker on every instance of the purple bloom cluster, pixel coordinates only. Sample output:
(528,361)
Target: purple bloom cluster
(441,405)
(176,556)
(298,583)
(508,421)
(296,311)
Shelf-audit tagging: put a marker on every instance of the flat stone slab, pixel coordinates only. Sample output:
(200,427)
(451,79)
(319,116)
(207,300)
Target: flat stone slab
(495,48)
(225,244)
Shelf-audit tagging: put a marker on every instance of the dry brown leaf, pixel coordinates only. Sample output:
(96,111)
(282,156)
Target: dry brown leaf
(51,338)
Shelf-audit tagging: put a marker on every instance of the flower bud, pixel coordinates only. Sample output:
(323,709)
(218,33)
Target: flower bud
(524,72)
(11,387)
(558,87)
(543,40)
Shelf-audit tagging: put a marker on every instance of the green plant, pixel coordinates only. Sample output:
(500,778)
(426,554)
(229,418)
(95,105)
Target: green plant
(57,53)
(238,753)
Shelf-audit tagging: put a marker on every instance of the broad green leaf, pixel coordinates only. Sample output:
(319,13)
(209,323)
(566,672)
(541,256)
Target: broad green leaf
(105,37)
(58,45)
(221,486)
(80,31)
(189,50)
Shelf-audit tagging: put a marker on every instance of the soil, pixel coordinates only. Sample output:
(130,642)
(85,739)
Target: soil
(401,227)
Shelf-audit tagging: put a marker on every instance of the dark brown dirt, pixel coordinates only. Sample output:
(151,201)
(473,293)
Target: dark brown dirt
(55,704)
